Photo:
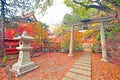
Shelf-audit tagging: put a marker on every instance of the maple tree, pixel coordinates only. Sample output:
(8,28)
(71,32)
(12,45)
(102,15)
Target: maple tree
(39,33)
(66,41)
(78,39)
(58,31)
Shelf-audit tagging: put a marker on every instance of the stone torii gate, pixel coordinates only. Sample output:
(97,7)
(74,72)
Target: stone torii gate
(103,44)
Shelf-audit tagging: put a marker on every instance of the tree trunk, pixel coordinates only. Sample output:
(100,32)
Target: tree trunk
(3,27)
(118,12)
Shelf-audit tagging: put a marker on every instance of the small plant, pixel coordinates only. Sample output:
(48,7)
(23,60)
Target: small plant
(5,57)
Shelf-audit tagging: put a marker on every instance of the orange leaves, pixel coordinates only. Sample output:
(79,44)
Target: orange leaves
(77,39)
(113,22)
(104,71)
(34,29)
(10,32)
(39,33)
(51,66)
(25,27)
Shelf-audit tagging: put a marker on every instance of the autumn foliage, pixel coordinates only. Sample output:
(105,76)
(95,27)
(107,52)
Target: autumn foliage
(34,29)
(77,40)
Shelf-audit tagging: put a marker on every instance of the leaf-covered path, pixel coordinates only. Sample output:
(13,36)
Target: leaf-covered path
(51,66)
(54,66)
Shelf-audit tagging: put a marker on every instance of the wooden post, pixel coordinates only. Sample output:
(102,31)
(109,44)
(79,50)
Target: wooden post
(103,45)
(71,42)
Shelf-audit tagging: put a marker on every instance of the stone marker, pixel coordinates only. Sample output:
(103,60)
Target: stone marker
(24,64)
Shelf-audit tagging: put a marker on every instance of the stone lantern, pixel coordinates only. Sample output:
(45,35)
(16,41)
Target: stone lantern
(24,64)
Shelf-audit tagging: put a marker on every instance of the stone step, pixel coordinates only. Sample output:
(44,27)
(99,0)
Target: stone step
(82,64)
(81,72)
(81,77)
(82,67)
(71,75)
(87,59)
(65,78)
(85,62)
(86,55)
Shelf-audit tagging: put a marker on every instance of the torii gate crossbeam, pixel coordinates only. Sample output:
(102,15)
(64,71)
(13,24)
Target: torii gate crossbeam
(101,20)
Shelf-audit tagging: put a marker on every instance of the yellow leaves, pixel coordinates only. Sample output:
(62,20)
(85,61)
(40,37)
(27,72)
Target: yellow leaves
(58,30)
(95,24)
(82,12)
(111,6)
(38,32)
(101,13)
(88,32)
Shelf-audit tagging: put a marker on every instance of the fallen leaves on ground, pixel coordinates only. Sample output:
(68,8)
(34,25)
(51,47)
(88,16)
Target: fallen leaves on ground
(105,70)
(51,66)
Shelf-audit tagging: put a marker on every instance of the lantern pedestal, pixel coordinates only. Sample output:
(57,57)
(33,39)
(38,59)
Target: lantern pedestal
(24,64)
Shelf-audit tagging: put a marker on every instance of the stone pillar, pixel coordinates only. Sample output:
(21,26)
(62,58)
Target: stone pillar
(24,64)
(103,45)
(71,42)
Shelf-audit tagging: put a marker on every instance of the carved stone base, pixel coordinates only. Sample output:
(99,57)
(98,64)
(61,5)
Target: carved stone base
(104,60)
(71,55)
(21,69)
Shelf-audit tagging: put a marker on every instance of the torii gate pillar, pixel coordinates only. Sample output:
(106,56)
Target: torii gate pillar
(103,45)
(71,42)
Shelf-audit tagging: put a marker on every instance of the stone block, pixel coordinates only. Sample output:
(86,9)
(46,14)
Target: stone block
(71,75)
(81,77)
(80,71)
(65,78)
(82,67)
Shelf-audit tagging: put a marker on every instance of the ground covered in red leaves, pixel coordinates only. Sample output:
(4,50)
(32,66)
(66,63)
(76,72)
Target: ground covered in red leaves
(105,70)
(51,66)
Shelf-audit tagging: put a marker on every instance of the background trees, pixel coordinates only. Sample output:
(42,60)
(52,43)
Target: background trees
(10,9)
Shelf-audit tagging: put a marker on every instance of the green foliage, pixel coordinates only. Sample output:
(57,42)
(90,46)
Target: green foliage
(14,7)
(116,28)
(68,18)
(66,41)
(65,27)
(30,5)
(5,58)
(98,36)
(86,9)
(107,34)
(43,3)
(81,10)
(115,2)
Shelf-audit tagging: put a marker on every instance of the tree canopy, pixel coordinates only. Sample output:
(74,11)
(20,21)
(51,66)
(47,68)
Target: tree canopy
(11,8)
(110,7)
